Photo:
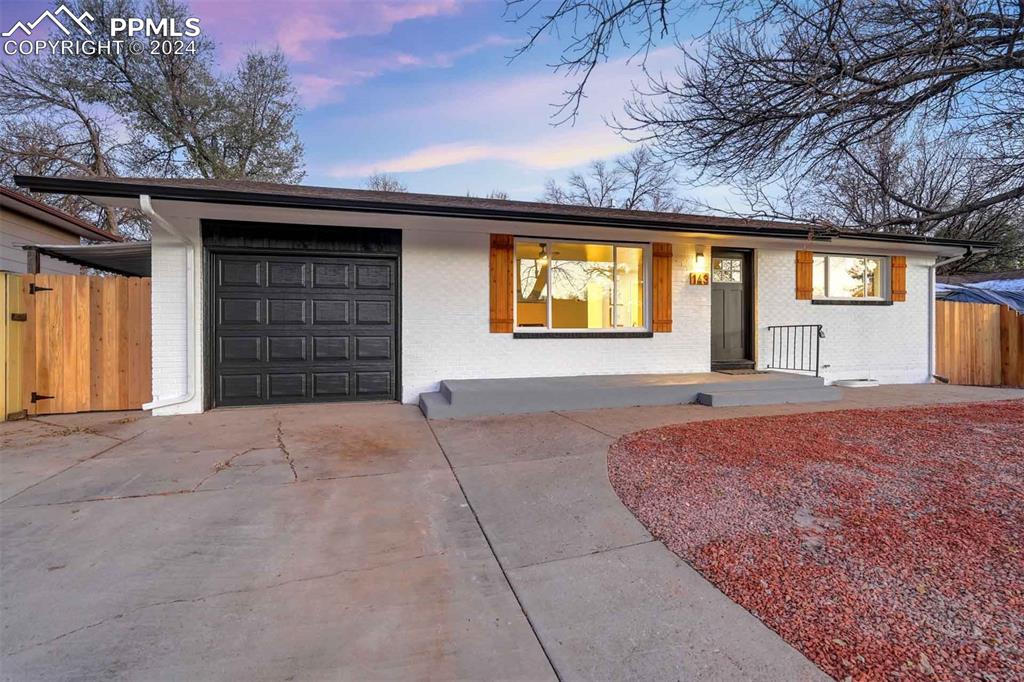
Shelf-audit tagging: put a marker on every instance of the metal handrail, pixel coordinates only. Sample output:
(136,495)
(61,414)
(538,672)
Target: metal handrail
(796,347)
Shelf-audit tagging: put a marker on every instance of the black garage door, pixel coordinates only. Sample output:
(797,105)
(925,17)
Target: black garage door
(292,328)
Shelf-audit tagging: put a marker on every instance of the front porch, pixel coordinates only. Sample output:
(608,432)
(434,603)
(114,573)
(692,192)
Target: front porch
(476,397)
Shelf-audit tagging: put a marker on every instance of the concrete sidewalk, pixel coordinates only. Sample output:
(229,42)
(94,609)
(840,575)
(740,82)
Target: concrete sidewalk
(606,600)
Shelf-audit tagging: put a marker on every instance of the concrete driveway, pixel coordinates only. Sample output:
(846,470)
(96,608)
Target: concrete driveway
(357,542)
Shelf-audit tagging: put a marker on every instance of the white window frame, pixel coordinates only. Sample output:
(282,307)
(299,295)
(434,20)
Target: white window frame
(648,285)
(884,264)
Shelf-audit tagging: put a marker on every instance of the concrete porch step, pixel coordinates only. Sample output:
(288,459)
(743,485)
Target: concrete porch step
(473,397)
(768,396)
(434,405)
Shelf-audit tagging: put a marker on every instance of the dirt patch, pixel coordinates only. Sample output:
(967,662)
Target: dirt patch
(883,544)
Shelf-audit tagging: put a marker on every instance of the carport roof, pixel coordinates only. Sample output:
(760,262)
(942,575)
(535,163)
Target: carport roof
(244,192)
(131,259)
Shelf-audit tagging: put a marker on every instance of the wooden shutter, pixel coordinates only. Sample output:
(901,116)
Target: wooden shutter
(898,282)
(661,319)
(502,268)
(804,275)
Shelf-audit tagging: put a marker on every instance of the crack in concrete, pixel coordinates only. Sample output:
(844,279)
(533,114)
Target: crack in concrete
(66,430)
(214,595)
(226,464)
(118,444)
(592,428)
(280,444)
(603,550)
(110,498)
(70,430)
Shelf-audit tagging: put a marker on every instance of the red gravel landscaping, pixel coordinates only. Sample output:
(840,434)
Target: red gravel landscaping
(883,544)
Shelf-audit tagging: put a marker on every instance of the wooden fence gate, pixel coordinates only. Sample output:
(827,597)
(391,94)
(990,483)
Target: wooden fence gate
(979,344)
(75,343)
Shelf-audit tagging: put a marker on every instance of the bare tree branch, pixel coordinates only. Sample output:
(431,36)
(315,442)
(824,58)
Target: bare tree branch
(785,91)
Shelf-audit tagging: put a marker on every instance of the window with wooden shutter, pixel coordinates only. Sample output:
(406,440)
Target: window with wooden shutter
(899,278)
(804,275)
(661,289)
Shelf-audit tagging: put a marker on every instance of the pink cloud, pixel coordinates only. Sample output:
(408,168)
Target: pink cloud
(531,96)
(316,90)
(302,28)
(558,149)
(298,38)
(329,82)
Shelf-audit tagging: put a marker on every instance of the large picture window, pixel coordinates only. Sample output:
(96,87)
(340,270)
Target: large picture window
(848,277)
(579,286)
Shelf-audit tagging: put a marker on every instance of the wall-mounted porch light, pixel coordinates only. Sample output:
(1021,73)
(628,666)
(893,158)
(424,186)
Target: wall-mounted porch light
(699,276)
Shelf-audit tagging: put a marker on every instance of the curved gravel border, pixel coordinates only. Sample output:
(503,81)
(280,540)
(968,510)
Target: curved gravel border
(883,544)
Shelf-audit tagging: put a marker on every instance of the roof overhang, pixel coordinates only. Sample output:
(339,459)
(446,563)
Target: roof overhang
(117,192)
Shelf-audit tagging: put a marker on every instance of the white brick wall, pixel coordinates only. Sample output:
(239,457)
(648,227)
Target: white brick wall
(445,323)
(445,312)
(169,317)
(888,343)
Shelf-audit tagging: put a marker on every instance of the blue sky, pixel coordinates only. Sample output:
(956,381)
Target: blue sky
(423,89)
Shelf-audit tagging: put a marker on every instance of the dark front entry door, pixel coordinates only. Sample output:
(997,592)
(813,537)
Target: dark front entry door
(292,328)
(730,309)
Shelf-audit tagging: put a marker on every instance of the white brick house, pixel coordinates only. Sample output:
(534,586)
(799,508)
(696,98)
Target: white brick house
(268,293)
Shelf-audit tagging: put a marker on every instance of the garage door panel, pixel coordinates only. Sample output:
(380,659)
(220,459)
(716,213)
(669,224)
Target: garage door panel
(331,312)
(286,311)
(331,275)
(303,329)
(374,276)
(373,348)
(240,389)
(240,311)
(373,312)
(326,348)
(286,348)
(234,349)
(284,386)
(286,274)
(372,384)
(236,271)
(331,385)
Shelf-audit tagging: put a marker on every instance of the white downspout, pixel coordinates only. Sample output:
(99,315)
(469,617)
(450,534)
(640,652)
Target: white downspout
(931,310)
(190,308)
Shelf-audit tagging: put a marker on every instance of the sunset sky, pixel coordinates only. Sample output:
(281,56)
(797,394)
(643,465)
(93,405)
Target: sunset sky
(423,89)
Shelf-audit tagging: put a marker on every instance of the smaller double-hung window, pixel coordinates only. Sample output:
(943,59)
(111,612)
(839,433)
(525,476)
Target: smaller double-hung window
(842,277)
(581,286)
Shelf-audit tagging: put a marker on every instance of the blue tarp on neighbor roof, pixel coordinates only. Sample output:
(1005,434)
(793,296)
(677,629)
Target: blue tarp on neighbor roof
(1001,291)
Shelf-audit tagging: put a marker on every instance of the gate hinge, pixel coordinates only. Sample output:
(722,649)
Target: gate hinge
(32,288)
(36,397)
(19,317)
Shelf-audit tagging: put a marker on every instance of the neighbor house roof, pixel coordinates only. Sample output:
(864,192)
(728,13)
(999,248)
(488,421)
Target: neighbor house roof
(1012,296)
(26,205)
(987,277)
(334,198)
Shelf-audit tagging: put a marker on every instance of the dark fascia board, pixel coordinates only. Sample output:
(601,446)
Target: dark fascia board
(95,187)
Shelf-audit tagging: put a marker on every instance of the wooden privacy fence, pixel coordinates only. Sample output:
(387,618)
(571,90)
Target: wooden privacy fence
(75,343)
(979,344)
